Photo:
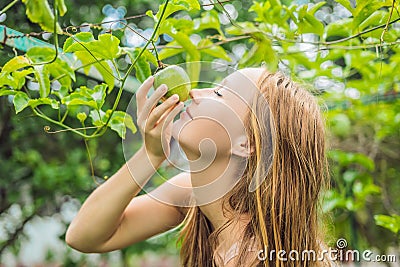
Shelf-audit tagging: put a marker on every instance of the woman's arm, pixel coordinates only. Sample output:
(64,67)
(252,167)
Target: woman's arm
(112,217)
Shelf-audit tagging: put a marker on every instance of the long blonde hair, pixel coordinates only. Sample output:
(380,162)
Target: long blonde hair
(283,208)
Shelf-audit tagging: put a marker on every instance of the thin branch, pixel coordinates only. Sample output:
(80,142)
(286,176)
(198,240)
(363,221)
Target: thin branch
(387,22)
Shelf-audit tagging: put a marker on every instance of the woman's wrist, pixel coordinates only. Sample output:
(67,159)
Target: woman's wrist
(153,159)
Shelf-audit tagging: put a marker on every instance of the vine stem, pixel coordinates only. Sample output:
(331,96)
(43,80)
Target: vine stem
(101,129)
(55,36)
(7,7)
(39,114)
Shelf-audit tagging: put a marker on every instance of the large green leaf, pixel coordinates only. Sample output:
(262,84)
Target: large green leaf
(94,98)
(73,43)
(106,47)
(120,121)
(16,63)
(40,54)
(142,66)
(44,101)
(61,71)
(20,101)
(4,92)
(101,66)
(16,79)
(39,11)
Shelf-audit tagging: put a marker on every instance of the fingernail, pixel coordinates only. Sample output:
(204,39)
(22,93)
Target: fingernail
(163,87)
(175,97)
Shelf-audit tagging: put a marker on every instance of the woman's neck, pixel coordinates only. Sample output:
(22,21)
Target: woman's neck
(211,184)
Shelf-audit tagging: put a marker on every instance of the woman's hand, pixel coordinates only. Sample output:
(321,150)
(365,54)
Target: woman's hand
(155,122)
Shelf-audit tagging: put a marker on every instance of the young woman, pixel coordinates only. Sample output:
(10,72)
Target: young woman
(256,151)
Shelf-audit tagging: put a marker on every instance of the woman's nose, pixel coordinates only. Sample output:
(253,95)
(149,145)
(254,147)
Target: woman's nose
(195,94)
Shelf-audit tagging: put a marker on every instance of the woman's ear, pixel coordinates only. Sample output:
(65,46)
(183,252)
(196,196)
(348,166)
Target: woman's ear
(242,148)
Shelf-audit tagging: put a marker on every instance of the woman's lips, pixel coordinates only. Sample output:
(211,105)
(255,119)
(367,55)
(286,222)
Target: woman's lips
(188,112)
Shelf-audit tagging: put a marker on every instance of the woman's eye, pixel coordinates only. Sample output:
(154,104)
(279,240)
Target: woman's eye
(217,93)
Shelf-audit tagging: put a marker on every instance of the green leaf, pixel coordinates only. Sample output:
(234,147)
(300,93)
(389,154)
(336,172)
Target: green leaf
(260,52)
(42,77)
(16,63)
(99,94)
(21,101)
(346,4)
(120,121)
(244,28)
(72,44)
(176,5)
(85,96)
(98,117)
(142,66)
(101,66)
(44,101)
(367,7)
(62,8)
(170,52)
(106,47)
(214,50)
(39,54)
(208,20)
(61,71)
(309,24)
(377,18)
(316,7)
(15,79)
(389,222)
(4,92)
(340,28)
(39,11)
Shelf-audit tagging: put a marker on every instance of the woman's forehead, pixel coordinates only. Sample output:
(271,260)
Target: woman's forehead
(243,82)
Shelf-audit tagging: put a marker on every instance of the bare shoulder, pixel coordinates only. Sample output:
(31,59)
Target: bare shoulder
(177,192)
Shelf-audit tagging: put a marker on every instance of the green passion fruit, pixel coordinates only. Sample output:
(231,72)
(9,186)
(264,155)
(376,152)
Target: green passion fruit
(176,79)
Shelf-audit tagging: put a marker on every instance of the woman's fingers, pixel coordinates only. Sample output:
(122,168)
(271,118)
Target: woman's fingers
(152,101)
(171,115)
(141,93)
(160,111)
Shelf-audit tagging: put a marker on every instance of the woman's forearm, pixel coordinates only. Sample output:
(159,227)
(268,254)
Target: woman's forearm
(101,214)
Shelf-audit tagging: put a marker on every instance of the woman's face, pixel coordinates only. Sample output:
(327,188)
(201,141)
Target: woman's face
(216,115)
